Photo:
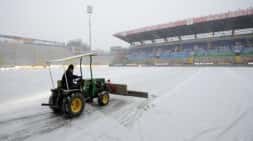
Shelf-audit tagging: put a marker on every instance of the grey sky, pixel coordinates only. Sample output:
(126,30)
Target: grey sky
(63,20)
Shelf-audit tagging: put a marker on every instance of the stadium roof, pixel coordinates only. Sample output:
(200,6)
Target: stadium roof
(30,40)
(195,41)
(219,22)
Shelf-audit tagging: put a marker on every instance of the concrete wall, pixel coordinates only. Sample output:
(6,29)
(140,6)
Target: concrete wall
(28,54)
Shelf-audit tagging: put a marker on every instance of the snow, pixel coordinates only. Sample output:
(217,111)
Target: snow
(185,104)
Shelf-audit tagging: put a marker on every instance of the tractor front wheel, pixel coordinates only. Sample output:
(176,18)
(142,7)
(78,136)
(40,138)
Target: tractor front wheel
(73,105)
(103,98)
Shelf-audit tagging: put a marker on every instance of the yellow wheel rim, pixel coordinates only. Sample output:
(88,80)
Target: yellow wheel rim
(105,99)
(76,105)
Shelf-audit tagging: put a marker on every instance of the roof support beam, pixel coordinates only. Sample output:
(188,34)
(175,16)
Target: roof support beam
(141,42)
(179,38)
(165,40)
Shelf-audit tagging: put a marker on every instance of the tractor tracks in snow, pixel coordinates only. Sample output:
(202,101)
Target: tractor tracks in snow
(21,128)
(221,131)
(232,124)
(2,122)
(131,114)
(125,110)
(203,132)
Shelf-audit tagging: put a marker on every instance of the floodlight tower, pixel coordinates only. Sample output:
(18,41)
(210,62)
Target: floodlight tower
(89,12)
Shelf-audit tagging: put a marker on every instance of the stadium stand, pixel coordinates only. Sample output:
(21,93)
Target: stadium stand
(221,38)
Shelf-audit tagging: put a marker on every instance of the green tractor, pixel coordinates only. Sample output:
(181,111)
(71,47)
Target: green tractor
(71,102)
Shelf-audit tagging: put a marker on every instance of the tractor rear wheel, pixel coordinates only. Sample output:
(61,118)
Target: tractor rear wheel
(73,105)
(103,98)
(53,106)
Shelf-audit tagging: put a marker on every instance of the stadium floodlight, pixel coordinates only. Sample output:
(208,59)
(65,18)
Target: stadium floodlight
(89,9)
(89,12)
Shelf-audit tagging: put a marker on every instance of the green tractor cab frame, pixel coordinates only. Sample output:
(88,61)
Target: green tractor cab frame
(71,102)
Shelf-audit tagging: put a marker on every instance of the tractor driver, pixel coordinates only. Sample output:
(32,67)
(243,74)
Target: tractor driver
(70,78)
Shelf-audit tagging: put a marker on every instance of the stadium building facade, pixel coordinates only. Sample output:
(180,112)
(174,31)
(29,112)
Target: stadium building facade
(19,51)
(15,50)
(225,38)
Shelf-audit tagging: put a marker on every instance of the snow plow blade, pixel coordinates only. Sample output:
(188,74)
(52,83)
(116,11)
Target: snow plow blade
(137,94)
(121,89)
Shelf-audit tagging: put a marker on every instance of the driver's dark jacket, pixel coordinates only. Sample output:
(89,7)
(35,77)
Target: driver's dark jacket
(70,78)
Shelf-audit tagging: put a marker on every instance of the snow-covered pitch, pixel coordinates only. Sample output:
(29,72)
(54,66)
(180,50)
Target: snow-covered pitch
(185,104)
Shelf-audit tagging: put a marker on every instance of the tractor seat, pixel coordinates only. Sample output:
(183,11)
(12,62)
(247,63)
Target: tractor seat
(64,90)
(55,90)
(70,90)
